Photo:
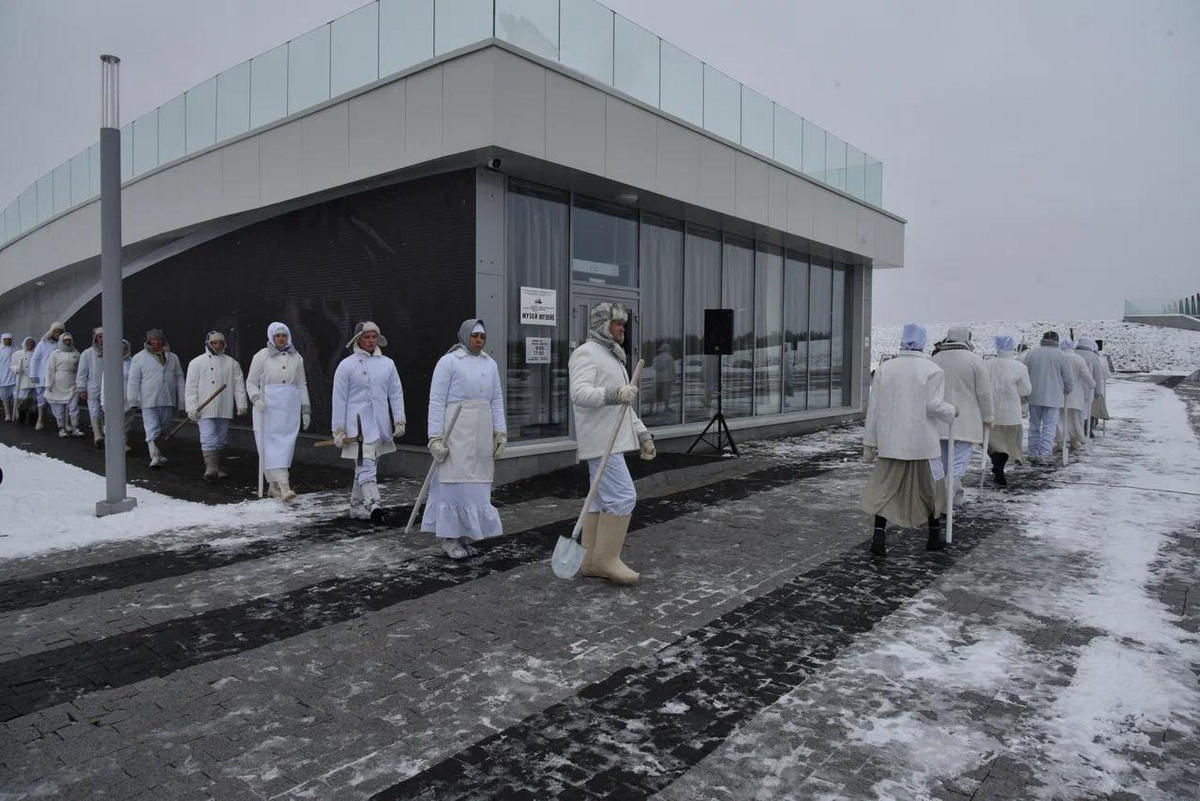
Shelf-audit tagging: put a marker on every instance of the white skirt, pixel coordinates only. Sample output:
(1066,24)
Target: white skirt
(461,509)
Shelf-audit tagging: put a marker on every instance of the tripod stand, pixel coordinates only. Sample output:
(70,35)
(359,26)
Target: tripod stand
(718,426)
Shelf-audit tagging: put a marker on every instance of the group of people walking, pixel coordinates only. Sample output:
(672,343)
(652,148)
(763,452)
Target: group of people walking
(919,404)
(467,431)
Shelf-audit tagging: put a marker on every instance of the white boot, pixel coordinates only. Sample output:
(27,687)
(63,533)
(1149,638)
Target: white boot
(279,485)
(210,465)
(372,501)
(41,418)
(358,509)
(606,553)
(156,457)
(8,412)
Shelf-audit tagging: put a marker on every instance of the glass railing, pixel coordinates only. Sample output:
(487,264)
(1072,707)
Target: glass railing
(1145,307)
(387,36)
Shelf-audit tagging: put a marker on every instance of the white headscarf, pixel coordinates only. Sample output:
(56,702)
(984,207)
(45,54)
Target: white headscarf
(272,330)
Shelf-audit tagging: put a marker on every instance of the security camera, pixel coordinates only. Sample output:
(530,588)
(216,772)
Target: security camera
(493,163)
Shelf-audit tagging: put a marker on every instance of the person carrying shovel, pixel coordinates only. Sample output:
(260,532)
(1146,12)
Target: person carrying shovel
(214,371)
(600,389)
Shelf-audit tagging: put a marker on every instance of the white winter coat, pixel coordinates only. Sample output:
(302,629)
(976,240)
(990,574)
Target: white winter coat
(7,377)
(272,366)
(1082,383)
(205,374)
(470,383)
(153,384)
(91,372)
(1049,374)
(21,365)
(1094,362)
(906,404)
(1010,383)
(969,387)
(41,355)
(367,385)
(125,364)
(595,371)
(60,375)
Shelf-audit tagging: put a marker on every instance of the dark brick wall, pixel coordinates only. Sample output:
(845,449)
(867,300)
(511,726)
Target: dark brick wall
(403,256)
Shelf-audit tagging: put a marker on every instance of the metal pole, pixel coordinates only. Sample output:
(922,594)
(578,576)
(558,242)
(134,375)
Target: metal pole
(110,286)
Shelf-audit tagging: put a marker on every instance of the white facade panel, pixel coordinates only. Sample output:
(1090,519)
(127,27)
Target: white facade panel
(847,224)
(377,131)
(718,176)
(325,148)
(279,163)
(777,198)
(802,202)
(468,102)
(574,124)
(240,184)
(423,115)
(630,144)
(519,104)
(678,162)
(752,197)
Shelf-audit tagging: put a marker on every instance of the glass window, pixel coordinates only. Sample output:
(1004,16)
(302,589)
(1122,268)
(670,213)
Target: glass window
(308,70)
(202,115)
(795,332)
(835,161)
(12,220)
(737,293)
(233,101)
(839,373)
(702,290)
(722,104)
(661,396)
(529,24)
(604,244)
(820,323)
(768,339)
(81,177)
(682,84)
(873,192)
(354,50)
(145,142)
(61,178)
(814,151)
(587,38)
(405,34)
(458,23)
(789,138)
(172,130)
(45,198)
(268,86)
(537,395)
(635,62)
(856,172)
(758,123)
(29,210)
(127,152)
(94,163)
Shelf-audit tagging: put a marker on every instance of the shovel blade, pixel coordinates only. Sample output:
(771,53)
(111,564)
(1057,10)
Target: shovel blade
(567,558)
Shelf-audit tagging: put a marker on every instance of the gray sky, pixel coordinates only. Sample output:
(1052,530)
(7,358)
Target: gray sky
(1045,154)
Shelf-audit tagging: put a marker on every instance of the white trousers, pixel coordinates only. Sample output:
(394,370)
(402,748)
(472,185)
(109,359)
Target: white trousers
(366,473)
(214,433)
(156,420)
(63,410)
(616,494)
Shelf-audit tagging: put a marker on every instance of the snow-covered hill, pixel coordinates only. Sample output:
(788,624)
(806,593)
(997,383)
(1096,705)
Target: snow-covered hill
(1133,347)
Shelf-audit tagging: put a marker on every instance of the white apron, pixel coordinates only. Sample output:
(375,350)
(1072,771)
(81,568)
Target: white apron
(470,458)
(277,442)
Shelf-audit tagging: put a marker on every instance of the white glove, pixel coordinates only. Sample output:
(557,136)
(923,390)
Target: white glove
(398,430)
(648,450)
(305,420)
(499,440)
(193,414)
(869,453)
(260,404)
(339,437)
(438,449)
(627,394)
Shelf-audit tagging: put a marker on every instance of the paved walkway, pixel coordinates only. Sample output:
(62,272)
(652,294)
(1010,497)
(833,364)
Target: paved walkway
(764,654)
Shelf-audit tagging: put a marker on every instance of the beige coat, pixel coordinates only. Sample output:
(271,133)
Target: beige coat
(1010,383)
(596,375)
(969,387)
(906,404)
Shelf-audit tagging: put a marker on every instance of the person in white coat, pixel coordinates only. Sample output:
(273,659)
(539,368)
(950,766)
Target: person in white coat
(600,390)
(1077,402)
(366,387)
(1086,348)
(8,379)
(207,373)
(126,417)
(466,380)
(279,391)
(37,369)
(1010,386)
(60,391)
(1051,378)
(156,386)
(906,409)
(969,388)
(87,381)
(25,390)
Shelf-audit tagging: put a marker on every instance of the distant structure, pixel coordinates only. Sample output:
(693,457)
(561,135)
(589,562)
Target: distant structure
(1178,313)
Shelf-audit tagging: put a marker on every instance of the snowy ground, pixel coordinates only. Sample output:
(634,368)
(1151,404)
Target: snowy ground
(1134,347)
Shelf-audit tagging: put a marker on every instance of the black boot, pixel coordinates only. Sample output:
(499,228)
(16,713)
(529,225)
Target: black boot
(936,541)
(998,462)
(878,539)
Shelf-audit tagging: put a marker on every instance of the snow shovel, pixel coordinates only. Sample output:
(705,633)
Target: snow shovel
(569,553)
(983,457)
(259,442)
(1066,436)
(429,476)
(949,465)
(199,409)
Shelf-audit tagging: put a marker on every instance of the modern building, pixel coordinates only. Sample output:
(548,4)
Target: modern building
(418,162)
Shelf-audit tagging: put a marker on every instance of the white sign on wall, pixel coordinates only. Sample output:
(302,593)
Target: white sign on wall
(537,350)
(539,306)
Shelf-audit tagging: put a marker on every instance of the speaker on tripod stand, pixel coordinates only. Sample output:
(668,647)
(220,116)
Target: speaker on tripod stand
(718,341)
